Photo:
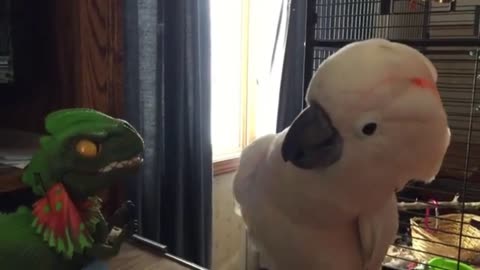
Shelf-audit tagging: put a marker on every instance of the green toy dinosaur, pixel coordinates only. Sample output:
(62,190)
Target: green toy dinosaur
(84,152)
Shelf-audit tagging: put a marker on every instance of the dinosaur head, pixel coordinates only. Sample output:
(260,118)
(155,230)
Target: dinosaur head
(85,150)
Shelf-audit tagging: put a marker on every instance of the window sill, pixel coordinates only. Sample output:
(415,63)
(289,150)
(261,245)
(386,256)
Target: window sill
(226,165)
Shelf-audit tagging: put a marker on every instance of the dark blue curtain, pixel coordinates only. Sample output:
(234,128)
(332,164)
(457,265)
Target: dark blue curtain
(167,90)
(291,98)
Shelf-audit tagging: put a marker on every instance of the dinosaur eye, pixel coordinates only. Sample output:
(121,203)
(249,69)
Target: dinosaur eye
(87,148)
(369,129)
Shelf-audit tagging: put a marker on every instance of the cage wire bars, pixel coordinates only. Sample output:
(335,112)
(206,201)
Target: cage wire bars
(440,220)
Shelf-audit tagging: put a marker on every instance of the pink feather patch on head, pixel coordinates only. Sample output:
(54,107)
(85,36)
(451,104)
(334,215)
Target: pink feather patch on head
(425,84)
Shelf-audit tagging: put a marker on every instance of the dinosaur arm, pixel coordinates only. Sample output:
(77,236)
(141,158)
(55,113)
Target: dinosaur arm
(100,249)
(103,250)
(101,232)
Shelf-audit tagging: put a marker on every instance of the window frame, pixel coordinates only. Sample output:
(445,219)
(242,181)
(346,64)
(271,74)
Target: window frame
(229,162)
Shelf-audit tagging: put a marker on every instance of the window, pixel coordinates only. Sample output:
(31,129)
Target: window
(228,87)
(248,43)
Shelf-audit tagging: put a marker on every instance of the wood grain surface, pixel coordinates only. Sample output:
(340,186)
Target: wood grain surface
(100,55)
(75,51)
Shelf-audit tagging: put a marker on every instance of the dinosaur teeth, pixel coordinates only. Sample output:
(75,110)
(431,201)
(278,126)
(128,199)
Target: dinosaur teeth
(106,169)
(122,164)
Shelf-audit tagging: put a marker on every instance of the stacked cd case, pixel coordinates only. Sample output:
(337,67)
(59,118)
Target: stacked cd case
(6,51)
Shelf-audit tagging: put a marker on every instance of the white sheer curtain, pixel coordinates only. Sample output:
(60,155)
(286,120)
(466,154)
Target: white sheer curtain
(267,40)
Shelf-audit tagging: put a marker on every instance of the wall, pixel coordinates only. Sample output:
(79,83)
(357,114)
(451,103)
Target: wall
(228,230)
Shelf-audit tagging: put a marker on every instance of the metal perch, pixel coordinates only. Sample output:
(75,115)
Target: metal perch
(453,204)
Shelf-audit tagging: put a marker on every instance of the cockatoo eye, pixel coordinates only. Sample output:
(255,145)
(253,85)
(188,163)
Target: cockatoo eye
(369,129)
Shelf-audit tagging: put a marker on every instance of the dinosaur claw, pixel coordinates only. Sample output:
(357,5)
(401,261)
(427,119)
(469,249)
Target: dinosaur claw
(129,204)
(130,208)
(131,228)
(125,215)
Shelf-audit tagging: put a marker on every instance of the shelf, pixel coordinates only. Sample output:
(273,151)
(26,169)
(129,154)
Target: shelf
(16,150)
(11,179)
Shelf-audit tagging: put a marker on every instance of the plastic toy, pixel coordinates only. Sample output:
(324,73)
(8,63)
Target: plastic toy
(84,152)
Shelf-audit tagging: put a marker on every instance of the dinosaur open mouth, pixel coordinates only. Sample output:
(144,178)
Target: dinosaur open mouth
(129,163)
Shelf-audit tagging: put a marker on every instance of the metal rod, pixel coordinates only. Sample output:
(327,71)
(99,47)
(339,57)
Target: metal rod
(182,262)
(162,249)
(149,243)
(467,159)
(457,42)
(309,43)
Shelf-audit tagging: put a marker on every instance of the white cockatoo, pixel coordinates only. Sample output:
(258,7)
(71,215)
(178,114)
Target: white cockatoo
(322,193)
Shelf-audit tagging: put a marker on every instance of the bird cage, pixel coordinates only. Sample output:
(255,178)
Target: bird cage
(439,221)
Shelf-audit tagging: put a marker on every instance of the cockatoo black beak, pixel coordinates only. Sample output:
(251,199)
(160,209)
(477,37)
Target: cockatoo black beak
(312,141)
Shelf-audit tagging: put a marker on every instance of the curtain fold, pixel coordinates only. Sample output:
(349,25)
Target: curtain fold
(167,95)
(268,31)
(291,98)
